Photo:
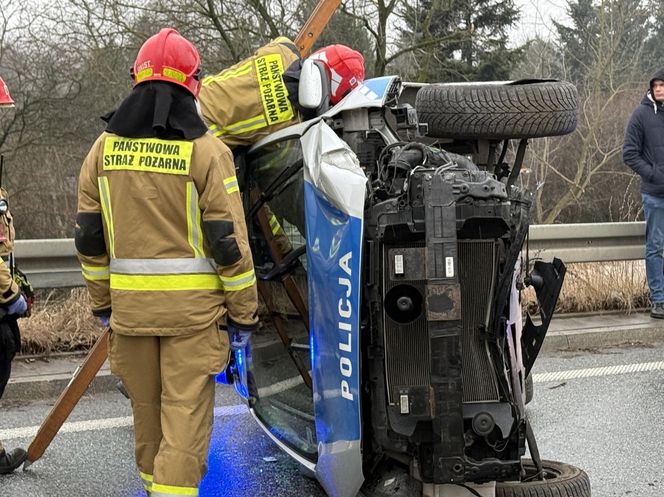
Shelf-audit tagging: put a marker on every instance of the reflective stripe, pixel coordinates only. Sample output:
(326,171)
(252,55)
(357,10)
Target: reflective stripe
(159,490)
(147,481)
(231,184)
(240,127)
(239,282)
(163,266)
(95,273)
(165,283)
(228,74)
(105,194)
(274,224)
(194,232)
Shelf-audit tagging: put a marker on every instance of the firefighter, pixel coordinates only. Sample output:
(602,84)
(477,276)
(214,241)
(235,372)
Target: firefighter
(12,305)
(259,95)
(162,242)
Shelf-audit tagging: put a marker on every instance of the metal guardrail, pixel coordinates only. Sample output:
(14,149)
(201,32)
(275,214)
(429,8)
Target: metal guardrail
(53,263)
(49,263)
(591,242)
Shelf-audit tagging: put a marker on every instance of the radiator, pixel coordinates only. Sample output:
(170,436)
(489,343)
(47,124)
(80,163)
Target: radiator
(407,354)
(477,272)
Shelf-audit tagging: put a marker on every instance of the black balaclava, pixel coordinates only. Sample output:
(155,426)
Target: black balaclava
(157,109)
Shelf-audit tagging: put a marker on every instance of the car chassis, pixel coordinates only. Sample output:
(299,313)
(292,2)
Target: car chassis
(410,355)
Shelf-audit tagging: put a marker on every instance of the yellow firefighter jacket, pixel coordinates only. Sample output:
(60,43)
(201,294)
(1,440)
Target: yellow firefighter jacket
(249,100)
(9,290)
(161,236)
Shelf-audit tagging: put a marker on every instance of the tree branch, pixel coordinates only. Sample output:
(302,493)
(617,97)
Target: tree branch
(458,36)
(220,29)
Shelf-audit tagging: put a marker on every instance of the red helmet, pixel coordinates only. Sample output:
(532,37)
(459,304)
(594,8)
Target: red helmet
(168,56)
(5,98)
(346,67)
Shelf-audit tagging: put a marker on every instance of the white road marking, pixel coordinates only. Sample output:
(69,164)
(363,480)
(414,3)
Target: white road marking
(234,410)
(107,423)
(601,371)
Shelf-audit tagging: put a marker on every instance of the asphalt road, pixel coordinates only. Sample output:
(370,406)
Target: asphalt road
(599,410)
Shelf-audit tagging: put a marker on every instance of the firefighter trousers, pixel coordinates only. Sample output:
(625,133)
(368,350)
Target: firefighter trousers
(170,381)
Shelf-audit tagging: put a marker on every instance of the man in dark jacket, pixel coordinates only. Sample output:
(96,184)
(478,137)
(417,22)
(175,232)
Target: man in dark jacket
(643,151)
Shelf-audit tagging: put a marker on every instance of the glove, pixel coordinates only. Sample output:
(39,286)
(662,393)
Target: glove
(238,337)
(19,306)
(105,320)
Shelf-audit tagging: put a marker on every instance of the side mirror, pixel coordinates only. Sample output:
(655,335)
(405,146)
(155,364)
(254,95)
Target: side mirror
(310,91)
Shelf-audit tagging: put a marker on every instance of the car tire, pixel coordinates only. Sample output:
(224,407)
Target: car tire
(563,480)
(498,111)
(530,388)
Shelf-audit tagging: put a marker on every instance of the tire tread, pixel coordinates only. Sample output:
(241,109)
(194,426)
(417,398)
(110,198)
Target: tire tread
(573,483)
(498,112)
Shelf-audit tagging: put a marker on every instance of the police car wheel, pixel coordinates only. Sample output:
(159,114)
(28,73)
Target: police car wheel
(561,480)
(498,111)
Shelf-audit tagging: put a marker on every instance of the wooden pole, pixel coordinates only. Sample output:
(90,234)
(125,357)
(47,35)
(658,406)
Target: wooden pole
(315,25)
(68,399)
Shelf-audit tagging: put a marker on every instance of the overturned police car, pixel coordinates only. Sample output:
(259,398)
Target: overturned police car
(389,236)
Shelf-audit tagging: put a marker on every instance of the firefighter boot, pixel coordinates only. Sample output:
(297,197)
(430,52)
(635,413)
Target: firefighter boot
(9,461)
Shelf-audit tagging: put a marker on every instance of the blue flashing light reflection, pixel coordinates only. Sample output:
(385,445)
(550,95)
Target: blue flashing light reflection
(225,476)
(312,350)
(241,386)
(221,378)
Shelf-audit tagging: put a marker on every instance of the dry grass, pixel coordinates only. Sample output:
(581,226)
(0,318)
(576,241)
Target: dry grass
(62,322)
(606,286)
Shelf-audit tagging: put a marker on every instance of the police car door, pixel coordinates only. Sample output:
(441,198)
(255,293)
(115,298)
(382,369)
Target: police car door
(314,188)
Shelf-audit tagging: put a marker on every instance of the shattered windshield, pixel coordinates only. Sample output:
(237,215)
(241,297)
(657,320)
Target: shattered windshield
(281,354)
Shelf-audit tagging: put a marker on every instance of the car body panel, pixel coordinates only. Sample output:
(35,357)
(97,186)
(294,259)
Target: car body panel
(372,93)
(334,192)
(334,186)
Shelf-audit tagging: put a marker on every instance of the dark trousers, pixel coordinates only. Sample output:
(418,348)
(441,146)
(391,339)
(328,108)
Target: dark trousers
(10,344)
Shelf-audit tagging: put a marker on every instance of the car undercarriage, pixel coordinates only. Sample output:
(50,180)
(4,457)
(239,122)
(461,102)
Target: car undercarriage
(442,350)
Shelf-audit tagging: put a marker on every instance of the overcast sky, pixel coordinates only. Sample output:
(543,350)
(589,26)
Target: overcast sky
(536,17)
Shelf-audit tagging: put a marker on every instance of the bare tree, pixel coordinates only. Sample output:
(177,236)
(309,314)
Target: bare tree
(380,19)
(584,170)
